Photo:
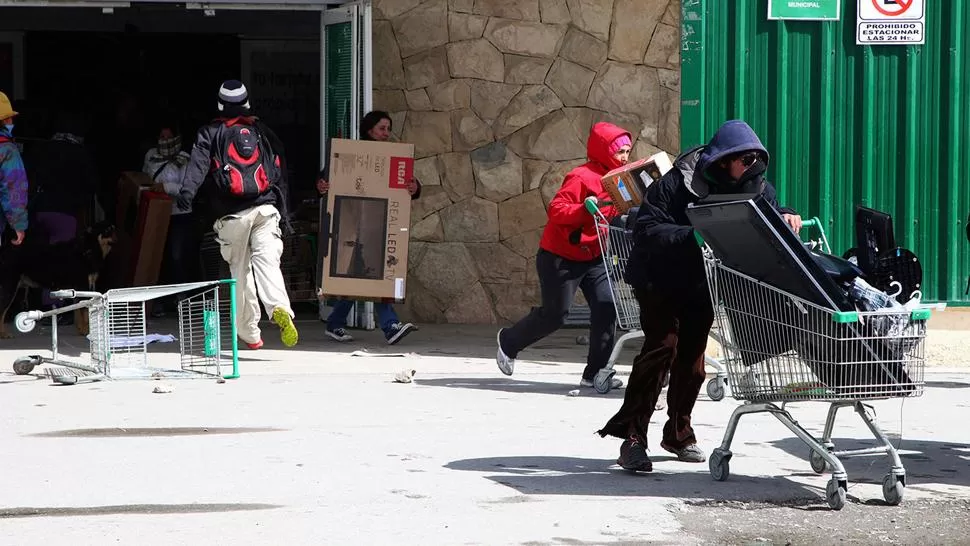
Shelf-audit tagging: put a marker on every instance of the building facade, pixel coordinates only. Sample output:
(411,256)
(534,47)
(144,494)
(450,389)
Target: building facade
(498,97)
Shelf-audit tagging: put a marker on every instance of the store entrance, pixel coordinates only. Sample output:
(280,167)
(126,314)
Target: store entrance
(118,78)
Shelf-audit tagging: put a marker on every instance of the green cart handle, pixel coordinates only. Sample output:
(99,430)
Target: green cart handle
(593,206)
(811,222)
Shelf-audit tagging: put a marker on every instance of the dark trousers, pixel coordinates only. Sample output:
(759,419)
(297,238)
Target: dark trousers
(182,249)
(675,325)
(59,227)
(559,279)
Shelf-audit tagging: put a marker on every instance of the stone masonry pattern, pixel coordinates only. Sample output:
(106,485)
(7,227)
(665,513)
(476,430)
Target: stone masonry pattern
(498,97)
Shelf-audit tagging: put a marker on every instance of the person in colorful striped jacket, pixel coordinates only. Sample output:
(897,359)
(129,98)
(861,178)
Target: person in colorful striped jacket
(13,176)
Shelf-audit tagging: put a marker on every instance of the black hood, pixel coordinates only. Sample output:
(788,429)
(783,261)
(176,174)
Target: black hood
(731,138)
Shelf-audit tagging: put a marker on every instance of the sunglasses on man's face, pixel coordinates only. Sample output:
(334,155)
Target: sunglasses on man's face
(748,159)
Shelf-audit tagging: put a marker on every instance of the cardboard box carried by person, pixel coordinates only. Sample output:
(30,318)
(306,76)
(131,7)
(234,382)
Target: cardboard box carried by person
(369,214)
(628,184)
(143,217)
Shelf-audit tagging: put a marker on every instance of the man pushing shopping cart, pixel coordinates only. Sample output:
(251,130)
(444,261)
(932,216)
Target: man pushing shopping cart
(666,271)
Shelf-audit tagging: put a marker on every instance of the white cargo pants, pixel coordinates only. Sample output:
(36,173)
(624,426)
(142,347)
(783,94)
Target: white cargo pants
(251,242)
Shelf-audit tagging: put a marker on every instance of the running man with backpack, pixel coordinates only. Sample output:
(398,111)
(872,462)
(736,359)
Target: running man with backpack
(241,161)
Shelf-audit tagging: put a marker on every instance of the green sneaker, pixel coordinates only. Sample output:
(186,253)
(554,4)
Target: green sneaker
(288,334)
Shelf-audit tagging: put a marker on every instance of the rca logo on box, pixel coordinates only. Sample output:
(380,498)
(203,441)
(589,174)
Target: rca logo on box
(401,172)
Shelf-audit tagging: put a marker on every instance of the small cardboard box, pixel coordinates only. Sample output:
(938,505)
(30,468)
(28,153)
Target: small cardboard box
(368,219)
(628,184)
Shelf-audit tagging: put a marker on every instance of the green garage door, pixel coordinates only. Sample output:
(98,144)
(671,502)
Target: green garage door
(887,126)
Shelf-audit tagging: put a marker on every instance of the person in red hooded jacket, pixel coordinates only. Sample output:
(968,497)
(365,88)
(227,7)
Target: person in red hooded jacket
(569,259)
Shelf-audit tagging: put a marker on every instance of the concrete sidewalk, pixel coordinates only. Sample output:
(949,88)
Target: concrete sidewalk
(314,446)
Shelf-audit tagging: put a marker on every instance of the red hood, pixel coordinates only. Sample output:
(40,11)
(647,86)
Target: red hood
(601,135)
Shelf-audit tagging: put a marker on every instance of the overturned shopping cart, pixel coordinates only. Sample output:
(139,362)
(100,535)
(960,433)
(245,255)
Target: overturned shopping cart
(119,337)
(615,244)
(781,348)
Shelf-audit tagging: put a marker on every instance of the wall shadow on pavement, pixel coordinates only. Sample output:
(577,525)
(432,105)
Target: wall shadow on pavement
(36,343)
(947,385)
(554,475)
(502,384)
(10,378)
(926,461)
(430,340)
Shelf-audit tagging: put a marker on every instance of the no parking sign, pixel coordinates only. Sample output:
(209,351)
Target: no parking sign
(890,22)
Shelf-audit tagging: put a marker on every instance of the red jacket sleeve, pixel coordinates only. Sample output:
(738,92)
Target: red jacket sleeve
(567,208)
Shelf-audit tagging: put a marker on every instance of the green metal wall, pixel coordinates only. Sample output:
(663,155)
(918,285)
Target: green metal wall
(338,44)
(883,126)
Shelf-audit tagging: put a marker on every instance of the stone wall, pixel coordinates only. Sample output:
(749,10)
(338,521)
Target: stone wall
(498,97)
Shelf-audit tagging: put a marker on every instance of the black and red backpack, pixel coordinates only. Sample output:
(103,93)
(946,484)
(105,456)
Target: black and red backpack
(244,163)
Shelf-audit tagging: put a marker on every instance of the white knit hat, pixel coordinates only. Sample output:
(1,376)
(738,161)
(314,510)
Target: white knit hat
(233,93)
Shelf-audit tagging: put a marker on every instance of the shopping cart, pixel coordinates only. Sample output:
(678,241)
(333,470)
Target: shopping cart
(616,244)
(119,336)
(780,348)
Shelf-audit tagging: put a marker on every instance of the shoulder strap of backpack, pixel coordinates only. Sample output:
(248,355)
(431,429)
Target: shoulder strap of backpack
(219,143)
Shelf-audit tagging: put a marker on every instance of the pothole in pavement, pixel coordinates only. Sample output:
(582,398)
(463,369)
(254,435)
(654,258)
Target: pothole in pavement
(121,432)
(913,522)
(800,502)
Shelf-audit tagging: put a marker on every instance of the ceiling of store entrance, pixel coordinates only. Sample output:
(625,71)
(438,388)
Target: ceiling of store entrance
(153,18)
(325,3)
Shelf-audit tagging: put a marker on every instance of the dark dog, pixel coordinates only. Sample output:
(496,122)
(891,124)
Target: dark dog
(72,264)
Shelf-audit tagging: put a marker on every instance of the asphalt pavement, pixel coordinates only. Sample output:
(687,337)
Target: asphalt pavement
(319,445)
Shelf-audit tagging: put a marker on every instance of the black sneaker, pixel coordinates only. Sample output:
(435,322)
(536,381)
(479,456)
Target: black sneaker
(633,456)
(397,332)
(339,334)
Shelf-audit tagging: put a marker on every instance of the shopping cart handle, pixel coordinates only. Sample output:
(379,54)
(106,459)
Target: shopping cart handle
(698,238)
(594,206)
(73,294)
(811,222)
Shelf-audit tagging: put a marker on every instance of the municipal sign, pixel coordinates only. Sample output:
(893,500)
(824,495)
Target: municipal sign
(805,10)
(890,22)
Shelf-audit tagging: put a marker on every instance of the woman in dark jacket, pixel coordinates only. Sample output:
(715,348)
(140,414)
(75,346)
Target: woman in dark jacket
(666,271)
(569,259)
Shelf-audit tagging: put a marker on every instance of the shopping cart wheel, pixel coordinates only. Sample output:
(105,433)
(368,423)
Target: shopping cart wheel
(720,465)
(892,489)
(24,324)
(818,463)
(715,389)
(835,494)
(603,380)
(25,364)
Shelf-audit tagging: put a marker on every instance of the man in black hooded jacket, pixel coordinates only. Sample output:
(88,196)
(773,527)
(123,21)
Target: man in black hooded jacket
(666,271)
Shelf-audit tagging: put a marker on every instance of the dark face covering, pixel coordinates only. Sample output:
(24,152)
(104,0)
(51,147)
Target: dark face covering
(751,181)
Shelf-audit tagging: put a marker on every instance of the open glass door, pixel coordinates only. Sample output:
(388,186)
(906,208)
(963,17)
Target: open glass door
(346,69)
(345,95)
